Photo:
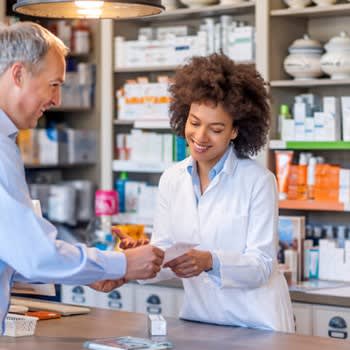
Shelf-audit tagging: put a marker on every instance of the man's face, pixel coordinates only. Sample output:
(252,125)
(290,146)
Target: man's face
(40,90)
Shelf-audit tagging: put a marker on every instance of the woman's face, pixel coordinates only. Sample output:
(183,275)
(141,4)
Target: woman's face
(208,132)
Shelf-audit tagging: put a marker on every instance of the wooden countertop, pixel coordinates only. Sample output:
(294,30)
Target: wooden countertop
(69,333)
(296,296)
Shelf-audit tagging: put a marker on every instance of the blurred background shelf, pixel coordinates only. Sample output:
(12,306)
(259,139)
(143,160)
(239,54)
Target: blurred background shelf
(139,167)
(312,205)
(314,11)
(310,145)
(145,124)
(309,82)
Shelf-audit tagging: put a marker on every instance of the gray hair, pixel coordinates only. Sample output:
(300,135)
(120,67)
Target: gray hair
(28,43)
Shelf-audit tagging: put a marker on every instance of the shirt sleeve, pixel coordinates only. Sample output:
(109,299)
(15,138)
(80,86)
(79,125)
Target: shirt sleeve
(29,247)
(254,266)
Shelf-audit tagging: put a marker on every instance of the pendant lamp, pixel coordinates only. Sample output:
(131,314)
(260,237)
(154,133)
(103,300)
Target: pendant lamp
(70,9)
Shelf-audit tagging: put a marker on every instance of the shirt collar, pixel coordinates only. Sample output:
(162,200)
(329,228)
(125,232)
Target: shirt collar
(221,165)
(7,127)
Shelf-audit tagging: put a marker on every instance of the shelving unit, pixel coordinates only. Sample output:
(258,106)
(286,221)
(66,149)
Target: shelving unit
(285,26)
(114,78)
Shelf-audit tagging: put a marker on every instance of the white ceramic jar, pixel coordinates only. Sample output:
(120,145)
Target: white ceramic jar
(297,4)
(324,2)
(304,59)
(336,61)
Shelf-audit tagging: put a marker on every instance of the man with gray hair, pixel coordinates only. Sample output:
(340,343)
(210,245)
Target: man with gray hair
(32,70)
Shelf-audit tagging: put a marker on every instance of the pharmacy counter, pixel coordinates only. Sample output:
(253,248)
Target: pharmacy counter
(70,332)
(334,295)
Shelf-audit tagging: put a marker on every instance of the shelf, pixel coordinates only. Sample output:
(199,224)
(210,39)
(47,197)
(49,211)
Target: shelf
(69,109)
(140,167)
(314,11)
(159,68)
(145,69)
(192,13)
(56,166)
(313,205)
(132,218)
(310,145)
(145,124)
(309,82)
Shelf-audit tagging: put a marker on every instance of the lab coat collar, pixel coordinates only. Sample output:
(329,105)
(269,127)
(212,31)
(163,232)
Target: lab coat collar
(229,165)
(7,127)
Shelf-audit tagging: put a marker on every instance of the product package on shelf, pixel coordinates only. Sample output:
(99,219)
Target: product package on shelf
(291,232)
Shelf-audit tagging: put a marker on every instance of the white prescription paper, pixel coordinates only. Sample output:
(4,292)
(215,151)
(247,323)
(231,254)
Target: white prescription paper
(176,250)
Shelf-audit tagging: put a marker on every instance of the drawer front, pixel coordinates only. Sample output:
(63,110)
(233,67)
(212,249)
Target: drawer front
(332,322)
(303,318)
(155,300)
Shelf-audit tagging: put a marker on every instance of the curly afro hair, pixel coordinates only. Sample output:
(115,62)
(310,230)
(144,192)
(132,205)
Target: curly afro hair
(239,88)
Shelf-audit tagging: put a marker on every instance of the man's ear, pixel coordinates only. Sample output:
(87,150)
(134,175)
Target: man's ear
(17,73)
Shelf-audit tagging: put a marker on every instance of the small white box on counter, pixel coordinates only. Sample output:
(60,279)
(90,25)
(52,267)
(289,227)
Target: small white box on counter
(156,325)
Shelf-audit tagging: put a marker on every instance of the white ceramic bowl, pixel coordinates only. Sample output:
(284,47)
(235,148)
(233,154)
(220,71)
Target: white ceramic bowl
(297,4)
(304,59)
(324,2)
(303,65)
(336,61)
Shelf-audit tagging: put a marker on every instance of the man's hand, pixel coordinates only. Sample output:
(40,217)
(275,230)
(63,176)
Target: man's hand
(191,264)
(107,285)
(127,242)
(143,262)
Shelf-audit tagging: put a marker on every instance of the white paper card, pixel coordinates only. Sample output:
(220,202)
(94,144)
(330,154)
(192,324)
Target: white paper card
(176,250)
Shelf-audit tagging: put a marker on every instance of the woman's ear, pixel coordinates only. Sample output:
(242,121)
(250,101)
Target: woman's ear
(234,134)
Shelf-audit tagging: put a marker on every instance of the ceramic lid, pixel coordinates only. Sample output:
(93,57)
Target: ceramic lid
(305,44)
(342,41)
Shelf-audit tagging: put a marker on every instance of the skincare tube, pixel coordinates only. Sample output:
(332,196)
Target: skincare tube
(283,162)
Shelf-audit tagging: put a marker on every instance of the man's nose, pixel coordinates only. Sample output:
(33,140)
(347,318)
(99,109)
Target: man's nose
(56,98)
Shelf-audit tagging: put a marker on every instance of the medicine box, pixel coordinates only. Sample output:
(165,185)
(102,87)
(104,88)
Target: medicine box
(156,325)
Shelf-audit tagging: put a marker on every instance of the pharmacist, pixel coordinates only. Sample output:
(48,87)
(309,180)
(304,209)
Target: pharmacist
(32,69)
(223,200)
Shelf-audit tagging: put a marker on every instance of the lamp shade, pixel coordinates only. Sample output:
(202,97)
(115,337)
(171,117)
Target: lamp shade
(71,9)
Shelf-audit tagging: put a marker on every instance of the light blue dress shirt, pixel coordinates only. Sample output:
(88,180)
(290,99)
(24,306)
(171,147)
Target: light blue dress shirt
(215,170)
(28,249)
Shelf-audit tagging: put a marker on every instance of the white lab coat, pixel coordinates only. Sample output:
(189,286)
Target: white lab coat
(236,218)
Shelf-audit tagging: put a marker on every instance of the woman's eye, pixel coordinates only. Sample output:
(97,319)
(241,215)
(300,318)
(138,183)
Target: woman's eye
(217,131)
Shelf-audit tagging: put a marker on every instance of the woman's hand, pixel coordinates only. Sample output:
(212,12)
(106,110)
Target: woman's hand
(107,285)
(127,242)
(191,264)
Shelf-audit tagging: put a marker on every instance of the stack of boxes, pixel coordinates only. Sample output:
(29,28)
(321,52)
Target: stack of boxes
(57,146)
(317,119)
(174,45)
